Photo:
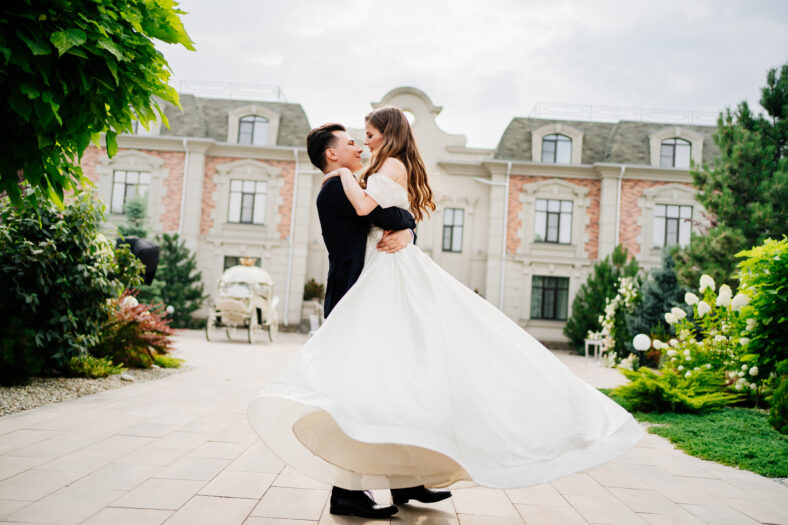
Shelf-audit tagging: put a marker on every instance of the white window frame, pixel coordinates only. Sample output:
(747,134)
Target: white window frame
(235,115)
(453,228)
(693,137)
(671,193)
(259,195)
(557,128)
(124,174)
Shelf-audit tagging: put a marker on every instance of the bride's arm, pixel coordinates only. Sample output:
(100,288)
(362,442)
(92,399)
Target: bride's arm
(362,202)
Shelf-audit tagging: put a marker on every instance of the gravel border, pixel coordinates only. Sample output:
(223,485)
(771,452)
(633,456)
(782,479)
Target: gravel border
(47,390)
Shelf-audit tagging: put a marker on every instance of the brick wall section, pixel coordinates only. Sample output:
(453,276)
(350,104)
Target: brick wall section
(629,229)
(209,187)
(173,180)
(514,223)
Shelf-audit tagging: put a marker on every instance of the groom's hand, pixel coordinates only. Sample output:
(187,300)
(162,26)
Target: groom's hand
(394,241)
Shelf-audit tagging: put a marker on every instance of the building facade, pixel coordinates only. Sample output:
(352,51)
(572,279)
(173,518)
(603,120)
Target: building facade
(521,224)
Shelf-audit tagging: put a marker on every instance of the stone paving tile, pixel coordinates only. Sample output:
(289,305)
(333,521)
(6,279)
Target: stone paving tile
(256,520)
(50,448)
(34,484)
(604,509)
(579,484)
(297,504)
(219,450)
(12,465)
(617,478)
(82,461)
(544,494)
(238,484)
(679,490)
(484,501)
(470,519)
(68,505)
(257,458)
(719,515)
(648,501)
(661,519)
(550,515)
(440,513)
(117,476)
(165,494)
(8,506)
(198,469)
(759,510)
(120,516)
(290,477)
(210,510)
(23,437)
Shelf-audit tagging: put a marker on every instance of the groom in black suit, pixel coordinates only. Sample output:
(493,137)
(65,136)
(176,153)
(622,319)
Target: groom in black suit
(331,147)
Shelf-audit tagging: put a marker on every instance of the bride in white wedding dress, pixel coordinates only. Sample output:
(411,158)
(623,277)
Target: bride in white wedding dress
(414,379)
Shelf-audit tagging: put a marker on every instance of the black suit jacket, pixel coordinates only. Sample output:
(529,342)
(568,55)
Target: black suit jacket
(345,234)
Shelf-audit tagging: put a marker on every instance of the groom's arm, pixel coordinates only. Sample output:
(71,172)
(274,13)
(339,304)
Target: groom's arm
(391,218)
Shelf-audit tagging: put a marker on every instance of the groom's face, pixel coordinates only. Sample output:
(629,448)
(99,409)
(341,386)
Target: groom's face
(345,151)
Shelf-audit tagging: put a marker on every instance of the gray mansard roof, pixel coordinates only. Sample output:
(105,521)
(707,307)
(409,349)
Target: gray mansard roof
(623,142)
(207,117)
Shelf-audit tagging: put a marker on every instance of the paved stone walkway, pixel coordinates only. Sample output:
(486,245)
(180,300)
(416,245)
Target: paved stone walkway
(179,450)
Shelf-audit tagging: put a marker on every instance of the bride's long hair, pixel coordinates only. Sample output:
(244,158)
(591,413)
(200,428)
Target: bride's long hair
(398,142)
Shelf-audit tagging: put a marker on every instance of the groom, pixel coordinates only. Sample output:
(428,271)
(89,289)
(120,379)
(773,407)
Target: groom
(331,147)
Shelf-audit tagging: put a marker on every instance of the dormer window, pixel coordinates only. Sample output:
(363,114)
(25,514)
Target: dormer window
(253,129)
(556,149)
(675,153)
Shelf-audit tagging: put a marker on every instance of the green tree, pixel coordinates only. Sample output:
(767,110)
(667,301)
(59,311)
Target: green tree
(746,191)
(135,210)
(177,283)
(589,303)
(658,294)
(70,70)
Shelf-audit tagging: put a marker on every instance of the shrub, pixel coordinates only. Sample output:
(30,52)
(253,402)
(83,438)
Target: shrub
(58,273)
(668,391)
(134,333)
(658,294)
(178,283)
(764,277)
(589,302)
(314,290)
(135,210)
(166,361)
(92,367)
(614,334)
(778,415)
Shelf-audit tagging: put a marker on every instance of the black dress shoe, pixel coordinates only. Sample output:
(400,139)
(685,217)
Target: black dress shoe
(420,493)
(358,503)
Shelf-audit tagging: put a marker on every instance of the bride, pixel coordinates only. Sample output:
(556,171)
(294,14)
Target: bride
(415,379)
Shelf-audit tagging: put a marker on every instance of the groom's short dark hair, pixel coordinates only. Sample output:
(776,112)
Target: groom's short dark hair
(319,140)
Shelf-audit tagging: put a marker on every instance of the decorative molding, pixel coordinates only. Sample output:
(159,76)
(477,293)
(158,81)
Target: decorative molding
(672,193)
(236,114)
(693,137)
(561,129)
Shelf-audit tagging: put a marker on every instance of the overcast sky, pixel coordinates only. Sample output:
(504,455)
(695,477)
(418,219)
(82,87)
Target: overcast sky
(486,61)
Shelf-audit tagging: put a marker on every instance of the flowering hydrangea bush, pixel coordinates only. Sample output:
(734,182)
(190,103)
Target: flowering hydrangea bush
(614,332)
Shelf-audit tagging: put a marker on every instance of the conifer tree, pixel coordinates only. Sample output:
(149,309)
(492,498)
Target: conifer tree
(135,210)
(589,303)
(177,283)
(746,192)
(658,294)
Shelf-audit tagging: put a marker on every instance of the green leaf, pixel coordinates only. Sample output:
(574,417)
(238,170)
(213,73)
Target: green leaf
(112,143)
(29,90)
(65,40)
(109,45)
(37,45)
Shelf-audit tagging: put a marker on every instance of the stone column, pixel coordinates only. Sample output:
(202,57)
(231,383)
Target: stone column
(608,204)
(495,237)
(302,200)
(191,214)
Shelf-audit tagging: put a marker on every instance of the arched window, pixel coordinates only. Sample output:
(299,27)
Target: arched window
(556,149)
(253,129)
(675,153)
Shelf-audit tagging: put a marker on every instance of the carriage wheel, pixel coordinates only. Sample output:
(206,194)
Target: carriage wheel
(253,327)
(273,329)
(210,326)
(228,330)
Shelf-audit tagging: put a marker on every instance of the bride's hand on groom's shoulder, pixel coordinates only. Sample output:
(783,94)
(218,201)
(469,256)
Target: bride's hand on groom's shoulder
(336,173)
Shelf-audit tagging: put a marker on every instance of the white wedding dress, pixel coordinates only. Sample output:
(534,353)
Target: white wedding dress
(414,379)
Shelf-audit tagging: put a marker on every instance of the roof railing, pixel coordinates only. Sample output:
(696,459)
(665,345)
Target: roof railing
(230,90)
(554,110)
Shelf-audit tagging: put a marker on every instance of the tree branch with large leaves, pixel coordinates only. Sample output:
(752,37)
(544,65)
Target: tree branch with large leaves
(71,70)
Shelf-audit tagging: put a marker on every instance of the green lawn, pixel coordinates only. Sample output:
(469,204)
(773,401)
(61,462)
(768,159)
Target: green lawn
(740,437)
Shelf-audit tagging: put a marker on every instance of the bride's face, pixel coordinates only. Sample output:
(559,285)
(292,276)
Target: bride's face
(374,138)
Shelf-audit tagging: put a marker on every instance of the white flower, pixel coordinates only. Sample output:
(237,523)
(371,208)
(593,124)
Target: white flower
(657,344)
(690,298)
(129,301)
(738,386)
(753,386)
(684,334)
(744,367)
(170,309)
(674,343)
(680,368)
(754,371)
(703,308)
(741,374)
(742,381)
(670,318)
(720,338)
(686,352)
(725,290)
(723,300)
(678,313)
(744,341)
(739,301)
(708,365)
(689,373)
(671,352)
(750,324)
(706,282)
(688,358)
(696,369)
